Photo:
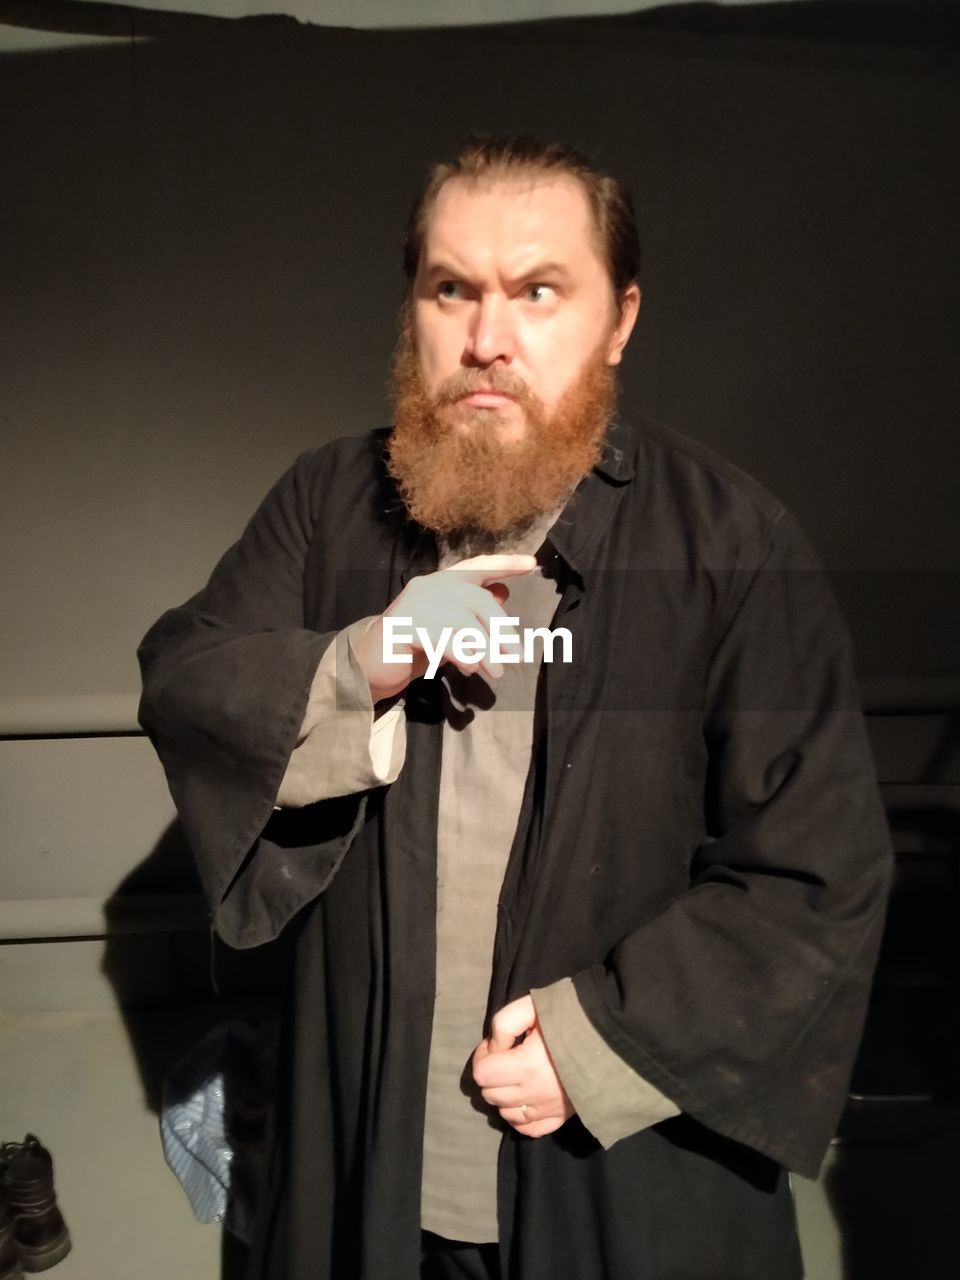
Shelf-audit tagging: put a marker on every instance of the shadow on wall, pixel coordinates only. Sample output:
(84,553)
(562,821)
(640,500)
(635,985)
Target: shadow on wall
(175,982)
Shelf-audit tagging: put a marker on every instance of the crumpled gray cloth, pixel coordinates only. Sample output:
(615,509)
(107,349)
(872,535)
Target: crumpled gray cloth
(213,1121)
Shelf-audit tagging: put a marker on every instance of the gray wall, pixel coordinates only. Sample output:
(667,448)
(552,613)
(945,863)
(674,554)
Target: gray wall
(200,277)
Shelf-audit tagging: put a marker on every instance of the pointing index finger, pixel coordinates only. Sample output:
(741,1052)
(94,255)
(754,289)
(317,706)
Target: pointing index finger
(483,570)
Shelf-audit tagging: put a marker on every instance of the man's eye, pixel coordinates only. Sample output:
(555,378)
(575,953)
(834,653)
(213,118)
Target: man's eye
(449,289)
(538,292)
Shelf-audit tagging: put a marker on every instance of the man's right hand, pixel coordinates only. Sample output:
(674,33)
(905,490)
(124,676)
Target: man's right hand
(467,594)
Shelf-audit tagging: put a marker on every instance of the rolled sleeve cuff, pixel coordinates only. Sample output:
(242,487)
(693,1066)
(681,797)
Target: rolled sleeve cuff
(610,1098)
(344,746)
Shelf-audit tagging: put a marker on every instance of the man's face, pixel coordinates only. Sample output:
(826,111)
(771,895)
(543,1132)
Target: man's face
(503,380)
(512,298)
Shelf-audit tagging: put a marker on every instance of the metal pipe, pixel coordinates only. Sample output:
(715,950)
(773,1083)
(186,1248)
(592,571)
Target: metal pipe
(30,919)
(74,715)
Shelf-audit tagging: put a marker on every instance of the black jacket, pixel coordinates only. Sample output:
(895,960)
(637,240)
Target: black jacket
(701,846)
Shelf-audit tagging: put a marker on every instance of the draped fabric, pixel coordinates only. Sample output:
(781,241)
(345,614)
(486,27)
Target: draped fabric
(700,847)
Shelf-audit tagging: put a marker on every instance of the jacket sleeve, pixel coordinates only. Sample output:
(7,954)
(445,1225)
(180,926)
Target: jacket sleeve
(610,1098)
(226,682)
(743,1000)
(370,750)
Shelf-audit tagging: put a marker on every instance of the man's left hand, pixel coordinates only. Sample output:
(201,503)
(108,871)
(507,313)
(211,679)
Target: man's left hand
(516,1074)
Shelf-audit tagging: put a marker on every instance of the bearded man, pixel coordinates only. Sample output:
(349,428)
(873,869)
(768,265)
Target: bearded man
(581,948)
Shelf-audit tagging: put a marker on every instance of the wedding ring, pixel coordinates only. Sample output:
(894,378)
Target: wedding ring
(523,1108)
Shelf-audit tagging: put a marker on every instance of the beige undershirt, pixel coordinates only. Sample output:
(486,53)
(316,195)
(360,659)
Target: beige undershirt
(485,759)
(486,756)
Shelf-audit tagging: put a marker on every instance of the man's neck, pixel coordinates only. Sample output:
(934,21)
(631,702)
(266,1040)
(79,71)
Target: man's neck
(524,540)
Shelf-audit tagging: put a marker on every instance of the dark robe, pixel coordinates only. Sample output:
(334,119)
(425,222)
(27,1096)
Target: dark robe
(701,847)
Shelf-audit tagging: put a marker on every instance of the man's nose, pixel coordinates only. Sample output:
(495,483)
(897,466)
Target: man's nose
(491,335)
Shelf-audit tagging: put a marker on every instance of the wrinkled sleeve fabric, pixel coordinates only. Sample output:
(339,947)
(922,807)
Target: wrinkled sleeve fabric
(610,1098)
(370,747)
(227,679)
(743,1000)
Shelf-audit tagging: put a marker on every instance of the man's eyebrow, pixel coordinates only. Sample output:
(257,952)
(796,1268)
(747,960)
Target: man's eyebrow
(538,270)
(440,269)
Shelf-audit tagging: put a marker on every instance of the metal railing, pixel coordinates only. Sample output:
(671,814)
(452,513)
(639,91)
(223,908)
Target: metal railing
(36,919)
(90,715)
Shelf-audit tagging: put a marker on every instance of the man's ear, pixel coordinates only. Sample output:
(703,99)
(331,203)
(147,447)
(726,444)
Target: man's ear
(629,307)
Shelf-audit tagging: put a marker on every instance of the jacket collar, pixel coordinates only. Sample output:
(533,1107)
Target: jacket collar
(579,529)
(618,452)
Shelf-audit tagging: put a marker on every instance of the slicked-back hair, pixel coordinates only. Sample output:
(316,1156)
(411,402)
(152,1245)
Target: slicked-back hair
(520,155)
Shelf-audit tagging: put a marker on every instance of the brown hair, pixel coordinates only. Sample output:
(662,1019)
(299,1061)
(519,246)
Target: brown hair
(522,155)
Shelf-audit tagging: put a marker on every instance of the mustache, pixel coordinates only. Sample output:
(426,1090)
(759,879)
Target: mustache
(466,381)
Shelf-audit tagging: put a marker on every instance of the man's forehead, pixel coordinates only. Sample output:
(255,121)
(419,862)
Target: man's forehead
(523,212)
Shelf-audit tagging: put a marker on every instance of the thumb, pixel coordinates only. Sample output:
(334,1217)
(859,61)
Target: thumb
(511,1022)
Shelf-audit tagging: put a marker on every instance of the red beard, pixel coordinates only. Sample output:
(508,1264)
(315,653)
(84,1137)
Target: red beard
(471,481)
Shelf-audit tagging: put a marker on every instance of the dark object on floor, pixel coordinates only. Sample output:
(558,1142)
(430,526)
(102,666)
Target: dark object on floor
(39,1231)
(10,1268)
